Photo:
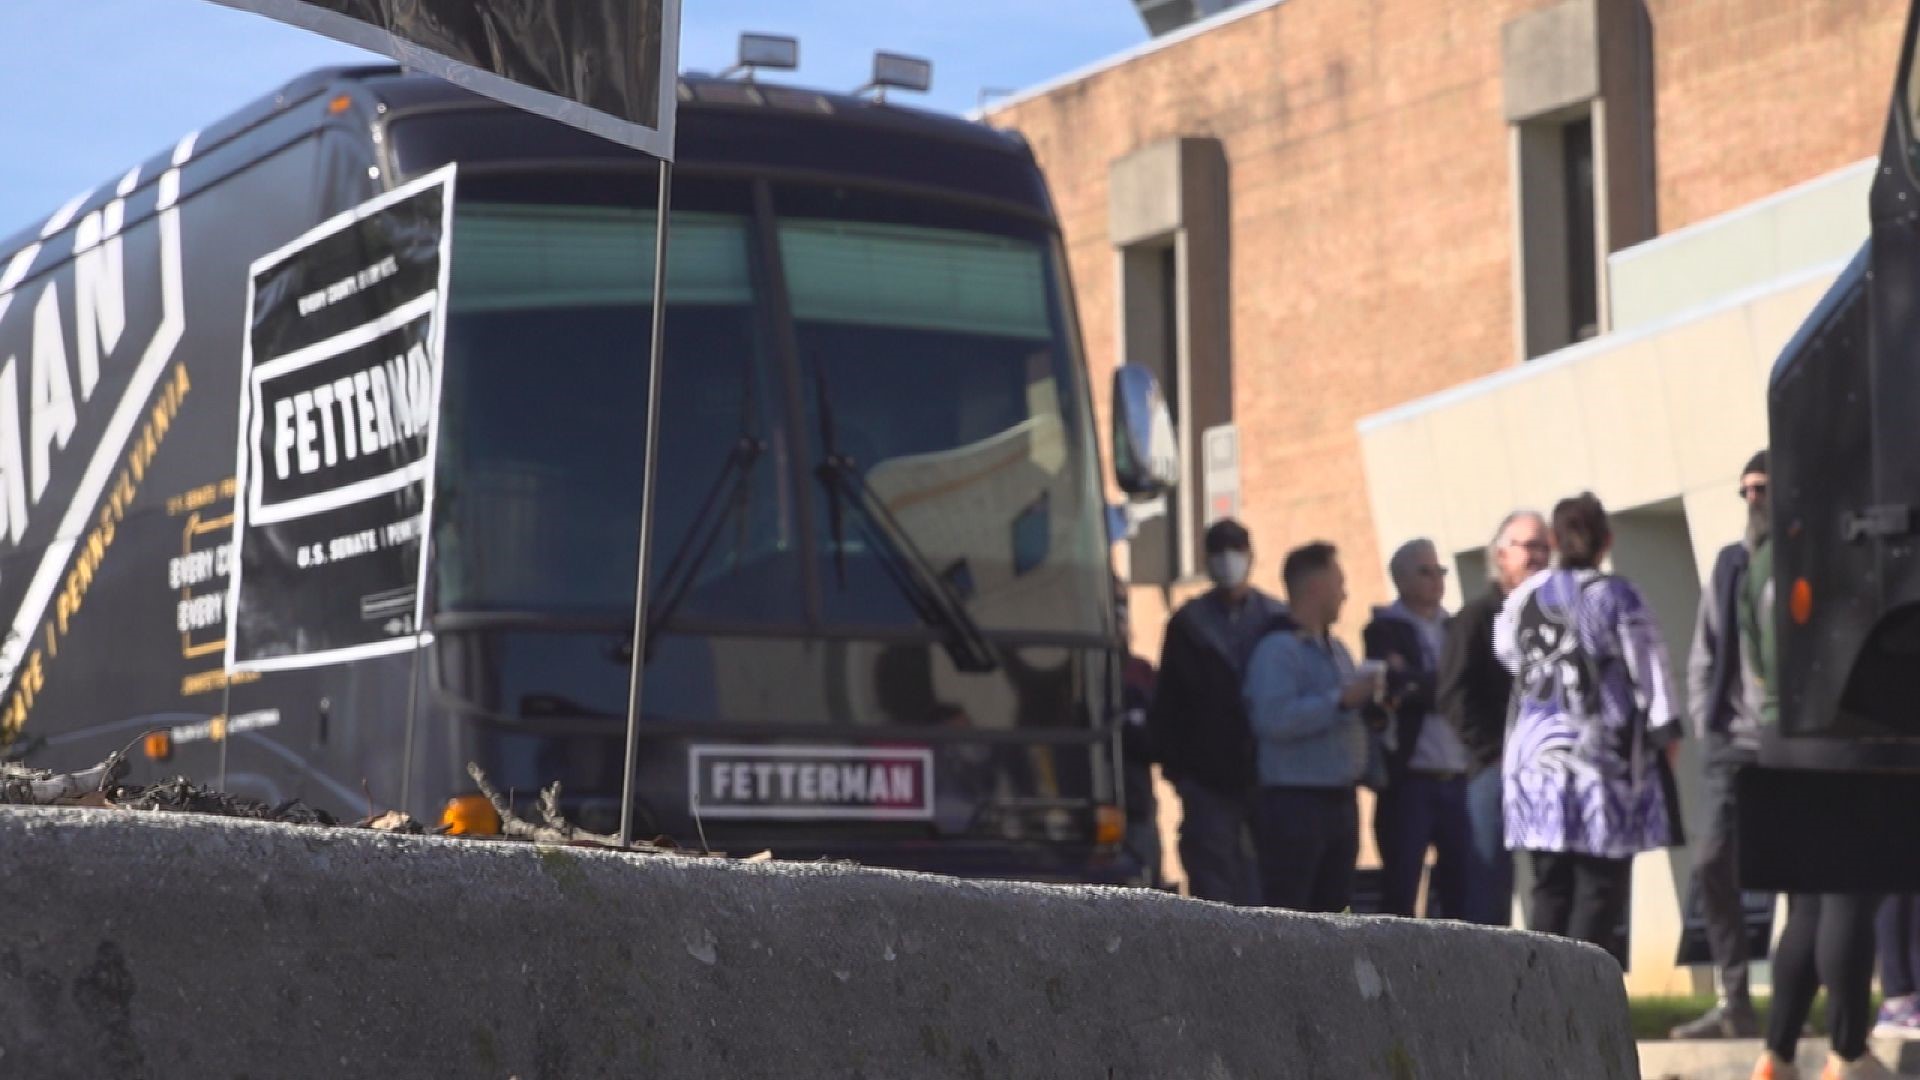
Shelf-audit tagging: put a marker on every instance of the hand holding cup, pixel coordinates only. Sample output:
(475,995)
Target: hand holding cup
(1368,684)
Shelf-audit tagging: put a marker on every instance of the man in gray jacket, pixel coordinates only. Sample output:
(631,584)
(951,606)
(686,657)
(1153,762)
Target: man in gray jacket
(1724,702)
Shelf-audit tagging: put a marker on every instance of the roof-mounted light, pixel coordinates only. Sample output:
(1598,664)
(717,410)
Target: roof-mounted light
(899,72)
(773,52)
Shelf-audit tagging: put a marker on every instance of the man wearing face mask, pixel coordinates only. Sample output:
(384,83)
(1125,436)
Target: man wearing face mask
(1199,724)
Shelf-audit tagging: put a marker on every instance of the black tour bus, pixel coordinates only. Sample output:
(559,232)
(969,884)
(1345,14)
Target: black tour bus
(881,601)
(1832,807)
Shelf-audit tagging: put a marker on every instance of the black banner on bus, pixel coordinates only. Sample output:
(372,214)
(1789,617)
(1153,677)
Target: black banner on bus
(605,66)
(340,391)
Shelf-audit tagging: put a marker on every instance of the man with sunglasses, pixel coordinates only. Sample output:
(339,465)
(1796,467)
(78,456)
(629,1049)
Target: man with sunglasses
(1724,702)
(1424,804)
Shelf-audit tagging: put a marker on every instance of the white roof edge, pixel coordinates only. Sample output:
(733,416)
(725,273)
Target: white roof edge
(1245,9)
(1605,343)
(1757,206)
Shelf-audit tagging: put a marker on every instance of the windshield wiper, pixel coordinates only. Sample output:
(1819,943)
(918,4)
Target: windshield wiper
(724,497)
(930,594)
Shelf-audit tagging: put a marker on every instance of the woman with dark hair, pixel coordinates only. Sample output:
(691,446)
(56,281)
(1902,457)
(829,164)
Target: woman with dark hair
(1583,791)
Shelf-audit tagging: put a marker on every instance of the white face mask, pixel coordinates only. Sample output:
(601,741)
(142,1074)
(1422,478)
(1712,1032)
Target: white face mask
(1228,569)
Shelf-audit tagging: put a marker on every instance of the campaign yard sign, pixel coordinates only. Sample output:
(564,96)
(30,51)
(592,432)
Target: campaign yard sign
(340,396)
(606,66)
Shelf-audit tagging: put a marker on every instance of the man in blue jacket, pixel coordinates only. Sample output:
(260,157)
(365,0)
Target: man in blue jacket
(1303,701)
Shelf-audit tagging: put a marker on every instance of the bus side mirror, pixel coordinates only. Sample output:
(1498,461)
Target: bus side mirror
(1146,458)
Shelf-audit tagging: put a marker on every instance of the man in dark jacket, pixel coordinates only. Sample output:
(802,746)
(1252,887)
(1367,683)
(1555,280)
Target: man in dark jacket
(1724,703)
(1425,802)
(1474,692)
(1198,722)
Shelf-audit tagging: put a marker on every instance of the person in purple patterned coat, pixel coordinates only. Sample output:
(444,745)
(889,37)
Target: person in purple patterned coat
(1593,709)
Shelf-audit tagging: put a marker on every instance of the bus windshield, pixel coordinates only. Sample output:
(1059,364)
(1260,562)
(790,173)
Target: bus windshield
(922,347)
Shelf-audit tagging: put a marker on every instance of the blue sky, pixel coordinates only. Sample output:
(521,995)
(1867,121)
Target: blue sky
(92,86)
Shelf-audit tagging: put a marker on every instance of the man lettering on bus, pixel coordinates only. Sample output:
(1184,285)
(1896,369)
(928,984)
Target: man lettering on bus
(1198,723)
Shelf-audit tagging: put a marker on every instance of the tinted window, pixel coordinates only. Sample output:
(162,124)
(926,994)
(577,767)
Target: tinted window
(934,335)
(933,348)
(540,460)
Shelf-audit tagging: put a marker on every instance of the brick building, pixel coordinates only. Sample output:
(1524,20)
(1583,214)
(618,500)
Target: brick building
(1437,258)
(1356,224)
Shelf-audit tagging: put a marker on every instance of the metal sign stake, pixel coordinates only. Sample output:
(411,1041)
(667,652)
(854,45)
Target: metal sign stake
(650,439)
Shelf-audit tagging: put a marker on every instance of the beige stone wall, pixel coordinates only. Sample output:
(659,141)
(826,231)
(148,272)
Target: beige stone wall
(1822,220)
(1637,419)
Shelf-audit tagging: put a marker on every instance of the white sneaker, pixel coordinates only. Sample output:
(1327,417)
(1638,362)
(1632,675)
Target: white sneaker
(1899,1018)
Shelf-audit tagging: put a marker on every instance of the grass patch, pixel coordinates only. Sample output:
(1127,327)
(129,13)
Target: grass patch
(1654,1017)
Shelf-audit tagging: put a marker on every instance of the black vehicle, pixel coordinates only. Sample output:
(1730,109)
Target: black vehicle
(1835,807)
(884,626)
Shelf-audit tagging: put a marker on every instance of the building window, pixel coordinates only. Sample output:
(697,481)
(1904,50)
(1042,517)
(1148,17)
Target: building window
(1559,235)
(1151,282)
(1169,203)
(1577,93)
(1583,291)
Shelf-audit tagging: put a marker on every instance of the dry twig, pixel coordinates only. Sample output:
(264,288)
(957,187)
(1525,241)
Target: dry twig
(554,827)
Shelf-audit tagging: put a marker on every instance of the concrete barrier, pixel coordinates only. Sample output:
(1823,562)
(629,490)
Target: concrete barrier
(161,946)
